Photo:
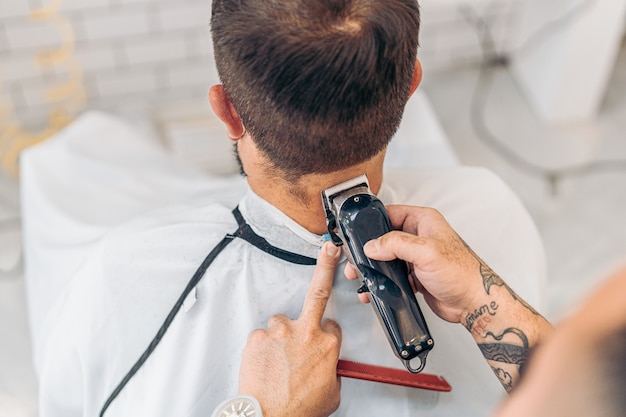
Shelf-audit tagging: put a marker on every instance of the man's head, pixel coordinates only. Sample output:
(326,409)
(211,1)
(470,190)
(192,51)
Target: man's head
(320,85)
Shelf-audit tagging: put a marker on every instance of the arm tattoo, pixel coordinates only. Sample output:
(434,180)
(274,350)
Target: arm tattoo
(511,330)
(477,321)
(504,377)
(491,278)
(505,353)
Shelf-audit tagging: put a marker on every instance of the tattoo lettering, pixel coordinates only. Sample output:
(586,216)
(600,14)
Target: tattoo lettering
(480,326)
(477,321)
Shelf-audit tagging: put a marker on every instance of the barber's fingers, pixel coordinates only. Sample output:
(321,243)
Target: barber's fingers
(331,326)
(416,220)
(278,321)
(392,245)
(321,284)
(351,273)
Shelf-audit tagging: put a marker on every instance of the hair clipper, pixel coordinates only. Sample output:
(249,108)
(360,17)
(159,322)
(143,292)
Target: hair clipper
(354,216)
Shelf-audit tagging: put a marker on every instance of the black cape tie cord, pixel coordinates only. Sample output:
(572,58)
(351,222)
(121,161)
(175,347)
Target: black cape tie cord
(244,232)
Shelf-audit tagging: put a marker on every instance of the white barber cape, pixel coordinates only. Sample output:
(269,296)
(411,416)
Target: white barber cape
(116,302)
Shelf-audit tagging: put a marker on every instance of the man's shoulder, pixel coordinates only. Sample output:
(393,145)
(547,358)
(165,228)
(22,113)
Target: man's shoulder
(451,188)
(477,203)
(192,211)
(142,265)
(487,213)
(187,229)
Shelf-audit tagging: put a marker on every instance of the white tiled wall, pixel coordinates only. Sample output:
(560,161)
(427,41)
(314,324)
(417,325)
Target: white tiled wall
(127,50)
(155,51)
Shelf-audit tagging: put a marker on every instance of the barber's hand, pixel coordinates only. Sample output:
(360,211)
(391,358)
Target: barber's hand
(290,368)
(442,267)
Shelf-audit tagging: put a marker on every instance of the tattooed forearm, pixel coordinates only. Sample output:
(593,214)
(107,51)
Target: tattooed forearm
(504,353)
(476,322)
(490,278)
(511,330)
(503,325)
(504,377)
(508,355)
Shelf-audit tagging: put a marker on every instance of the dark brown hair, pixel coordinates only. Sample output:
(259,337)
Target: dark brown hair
(320,84)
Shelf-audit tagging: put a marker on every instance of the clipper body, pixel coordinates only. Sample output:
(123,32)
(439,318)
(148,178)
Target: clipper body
(355,216)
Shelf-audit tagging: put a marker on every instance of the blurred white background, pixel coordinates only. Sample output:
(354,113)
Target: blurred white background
(553,97)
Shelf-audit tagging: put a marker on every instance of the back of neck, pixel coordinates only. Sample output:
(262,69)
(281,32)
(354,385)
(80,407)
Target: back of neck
(301,201)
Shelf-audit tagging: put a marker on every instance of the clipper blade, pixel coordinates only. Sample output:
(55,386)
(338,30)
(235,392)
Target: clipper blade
(330,194)
(335,190)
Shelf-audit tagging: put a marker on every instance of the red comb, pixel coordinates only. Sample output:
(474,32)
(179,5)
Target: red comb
(393,376)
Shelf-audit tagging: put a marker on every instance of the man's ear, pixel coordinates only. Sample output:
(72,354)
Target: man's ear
(417,77)
(225,111)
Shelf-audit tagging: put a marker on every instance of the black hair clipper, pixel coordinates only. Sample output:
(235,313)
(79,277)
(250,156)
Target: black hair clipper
(354,216)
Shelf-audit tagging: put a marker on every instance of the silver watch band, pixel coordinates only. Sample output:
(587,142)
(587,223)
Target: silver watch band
(238,406)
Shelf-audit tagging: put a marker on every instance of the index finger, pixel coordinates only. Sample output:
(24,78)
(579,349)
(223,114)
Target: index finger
(321,284)
(410,218)
(398,245)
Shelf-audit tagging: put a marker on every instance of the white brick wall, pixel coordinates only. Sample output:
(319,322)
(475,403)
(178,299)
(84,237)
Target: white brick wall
(29,34)
(158,51)
(34,92)
(4,43)
(14,8)
(120,83)
(116,23)
(174,16)
(19,68)
(154,50)
(74,5)
(94,57)
(199,43)
(200,73)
